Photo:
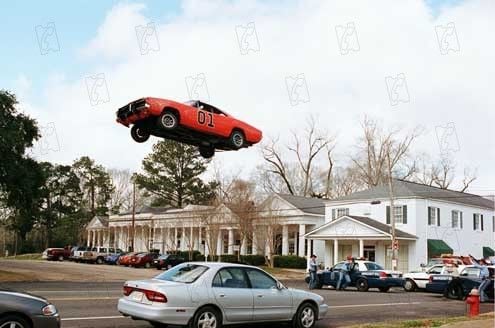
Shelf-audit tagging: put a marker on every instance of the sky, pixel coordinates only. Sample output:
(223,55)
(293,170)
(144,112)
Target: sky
(272,64)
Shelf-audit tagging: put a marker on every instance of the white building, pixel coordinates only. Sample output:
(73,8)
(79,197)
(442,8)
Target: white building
(429,221)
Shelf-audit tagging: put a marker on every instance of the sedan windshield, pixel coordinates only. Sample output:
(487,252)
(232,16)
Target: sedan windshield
(186,273)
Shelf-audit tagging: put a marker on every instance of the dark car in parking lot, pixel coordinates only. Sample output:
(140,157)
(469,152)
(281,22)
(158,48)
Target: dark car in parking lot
(21,310)
(114,257)
(364,275)
(143,260)
(167,261)
(459,287)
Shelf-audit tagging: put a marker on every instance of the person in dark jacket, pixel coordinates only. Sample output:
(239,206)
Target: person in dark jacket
(345,278)
(313,268)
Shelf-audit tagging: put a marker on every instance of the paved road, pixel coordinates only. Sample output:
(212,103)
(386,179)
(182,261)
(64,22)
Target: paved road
(93,305)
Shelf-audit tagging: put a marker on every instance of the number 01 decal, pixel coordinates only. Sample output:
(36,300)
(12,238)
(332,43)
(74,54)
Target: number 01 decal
(202,118)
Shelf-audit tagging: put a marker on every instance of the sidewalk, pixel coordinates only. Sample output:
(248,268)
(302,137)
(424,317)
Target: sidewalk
(482,323)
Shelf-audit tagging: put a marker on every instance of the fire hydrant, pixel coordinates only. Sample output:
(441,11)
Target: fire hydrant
(473,303)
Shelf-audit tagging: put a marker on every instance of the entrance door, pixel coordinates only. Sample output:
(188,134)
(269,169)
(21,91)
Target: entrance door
(369,253)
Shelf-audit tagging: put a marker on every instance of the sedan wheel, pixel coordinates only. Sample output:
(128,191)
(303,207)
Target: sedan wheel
(237,139)
(13,322)
(139,134)
(409,286)
(168,121)
(207,317)
(305,316)
(362,285)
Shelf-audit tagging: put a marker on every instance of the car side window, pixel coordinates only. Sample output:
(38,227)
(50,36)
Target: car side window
(103,250)
(435,270)
(339,266)
(260,280)
(230,278)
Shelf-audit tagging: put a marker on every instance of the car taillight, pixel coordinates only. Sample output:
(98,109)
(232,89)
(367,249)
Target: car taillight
(430,279)
(155,296)
(128,290)
(383,275)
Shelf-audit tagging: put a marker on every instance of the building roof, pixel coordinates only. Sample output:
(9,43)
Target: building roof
(404,189)
(381,226)
(305,204)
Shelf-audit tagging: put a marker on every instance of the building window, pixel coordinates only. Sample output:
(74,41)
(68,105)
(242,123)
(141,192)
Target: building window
(338,212)
(399,214)
(433,216)
(457,219)
(477,222)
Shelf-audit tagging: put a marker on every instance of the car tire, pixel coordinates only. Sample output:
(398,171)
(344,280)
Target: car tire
(61,258)
(383,289)
(410,285)
(206,152)
(362,285)
(207,313)
(19,322)
(99,260)
(454,292)
(237,139)
(139,134)
(158,324)
(305,317)
(147,265)
(168,121)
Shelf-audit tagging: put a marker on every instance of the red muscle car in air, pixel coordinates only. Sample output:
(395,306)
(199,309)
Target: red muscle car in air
(193,122)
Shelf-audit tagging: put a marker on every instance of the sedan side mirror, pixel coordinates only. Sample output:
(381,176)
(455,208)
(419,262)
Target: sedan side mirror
(280,286)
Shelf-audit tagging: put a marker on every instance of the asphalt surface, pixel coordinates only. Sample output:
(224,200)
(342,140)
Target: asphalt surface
(94,305)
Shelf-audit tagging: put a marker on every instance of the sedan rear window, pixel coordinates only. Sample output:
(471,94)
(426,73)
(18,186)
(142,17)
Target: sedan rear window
(373,266)
(186,273)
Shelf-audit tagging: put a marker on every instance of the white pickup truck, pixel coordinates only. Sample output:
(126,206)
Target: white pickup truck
(418,279)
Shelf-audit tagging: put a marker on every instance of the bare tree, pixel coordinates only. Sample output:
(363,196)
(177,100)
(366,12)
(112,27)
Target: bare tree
(121,197)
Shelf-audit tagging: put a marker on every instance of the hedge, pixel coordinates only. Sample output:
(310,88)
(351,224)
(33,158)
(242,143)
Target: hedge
(290,261)
(244,259)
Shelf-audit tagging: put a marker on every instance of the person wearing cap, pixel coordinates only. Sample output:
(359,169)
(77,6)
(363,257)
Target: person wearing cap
(345,278)
(313,268)
(485,281)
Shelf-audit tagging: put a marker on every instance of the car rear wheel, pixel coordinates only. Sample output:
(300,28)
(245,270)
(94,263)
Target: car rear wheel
(305,316)
(362,285)
(237,139)
(206,152)
(99,260)
(147,265)
(410,286)
(13,321)
(454,292)
(384,289)
(60,258)
(139,134)
(207,317)
(168,121)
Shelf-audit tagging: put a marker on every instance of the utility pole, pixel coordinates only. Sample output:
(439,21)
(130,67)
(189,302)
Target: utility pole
(395,257)
(133,211)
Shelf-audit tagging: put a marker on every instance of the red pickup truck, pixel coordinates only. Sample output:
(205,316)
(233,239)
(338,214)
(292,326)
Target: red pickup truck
(56,254)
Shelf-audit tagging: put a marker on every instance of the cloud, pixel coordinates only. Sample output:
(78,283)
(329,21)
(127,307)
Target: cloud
(293,39)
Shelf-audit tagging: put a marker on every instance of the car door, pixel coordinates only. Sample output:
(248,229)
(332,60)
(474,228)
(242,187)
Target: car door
(232,293)
(270,302)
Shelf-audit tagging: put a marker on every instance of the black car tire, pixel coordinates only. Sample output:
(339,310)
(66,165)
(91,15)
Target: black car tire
(206,152)
(168,121)
(362,285)
(206,311)
(306,316)
(383,289)
(158,324)
(237,139)
(20,321)
(410,285)
(454,292)
(61,258)
(139,134)
(99,260)
(147,265)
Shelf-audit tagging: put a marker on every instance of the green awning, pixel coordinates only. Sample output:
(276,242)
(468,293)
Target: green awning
(488,251)
(437,247)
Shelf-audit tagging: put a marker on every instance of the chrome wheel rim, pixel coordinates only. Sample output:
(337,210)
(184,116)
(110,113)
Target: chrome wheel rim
(11,324)
(408,285)
(207,320)
(238,140)
(307,317)
(168,121)
(140,133)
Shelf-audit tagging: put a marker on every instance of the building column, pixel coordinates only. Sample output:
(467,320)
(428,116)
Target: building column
(302,232)
(183,246)
(231,242)
(361,248)
(197,241)
(285,239)
(176,239)
(220,242)
(254,247)
(243,249)
(89,238)
(308,252)
(191,238)
(335,251)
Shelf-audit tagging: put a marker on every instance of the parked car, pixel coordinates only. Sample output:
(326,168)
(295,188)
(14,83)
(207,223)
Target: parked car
(21,310)
(125,259)
(193,122)
(418,279)
(56,254)
(364,275)
(167,261)
(214,294)
(97,254)
(114,258)
(143,260)
(76,253)
(459,287)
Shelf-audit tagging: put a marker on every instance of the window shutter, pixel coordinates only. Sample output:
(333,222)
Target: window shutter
(347,211)
(460,213)
(438,217)
(452,218)
(333,213)
(429,215)
(388,214)
(404,214)
(474,221)
(481,222)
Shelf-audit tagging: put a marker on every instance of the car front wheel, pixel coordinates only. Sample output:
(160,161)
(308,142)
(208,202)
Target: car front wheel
(305,316)
(13,321)
(61,258)
(237,139)
(139,134)
(207,317)
(362,285)
(206,152)
(99,260)
(168,121)
(410,286)
(454,292)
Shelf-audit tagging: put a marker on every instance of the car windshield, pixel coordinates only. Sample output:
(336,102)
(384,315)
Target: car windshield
(164,257)
(373,266)
(186,273)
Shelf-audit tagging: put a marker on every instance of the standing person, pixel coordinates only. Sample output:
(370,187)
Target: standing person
(313,268)
(485,281)
(345,278)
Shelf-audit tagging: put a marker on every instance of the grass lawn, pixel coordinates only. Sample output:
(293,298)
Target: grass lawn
(14,276)
(432,322)
(33,256)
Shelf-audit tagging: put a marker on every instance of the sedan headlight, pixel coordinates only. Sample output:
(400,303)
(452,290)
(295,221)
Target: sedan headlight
(49,310)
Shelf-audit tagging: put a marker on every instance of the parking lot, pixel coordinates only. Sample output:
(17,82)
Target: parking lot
(87,295)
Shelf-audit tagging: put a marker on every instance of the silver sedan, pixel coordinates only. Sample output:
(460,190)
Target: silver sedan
(210,295)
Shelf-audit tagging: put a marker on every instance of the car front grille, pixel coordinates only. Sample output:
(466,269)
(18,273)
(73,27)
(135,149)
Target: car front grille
(131,108)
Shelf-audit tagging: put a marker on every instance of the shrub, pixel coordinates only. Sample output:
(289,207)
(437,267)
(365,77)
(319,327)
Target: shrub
(256,260)
(290,261)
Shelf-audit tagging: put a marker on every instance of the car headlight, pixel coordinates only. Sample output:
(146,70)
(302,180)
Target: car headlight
(49,310)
